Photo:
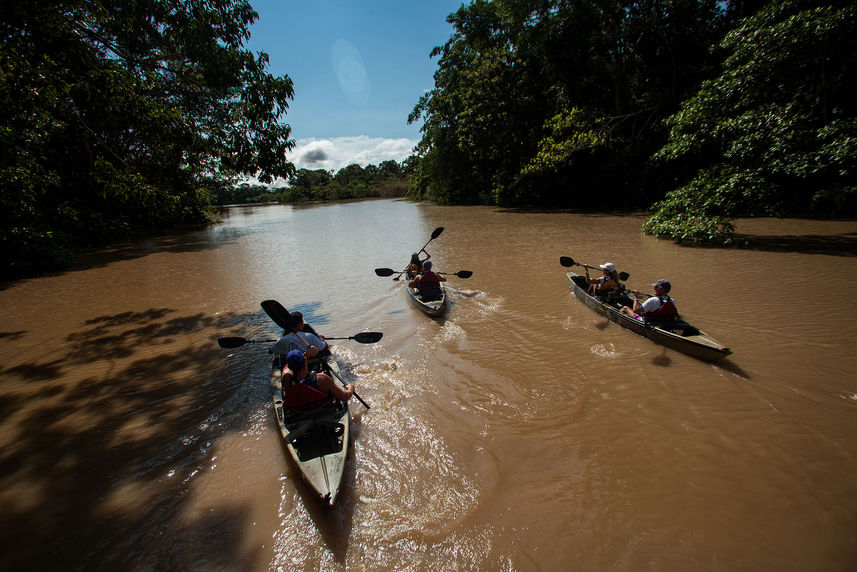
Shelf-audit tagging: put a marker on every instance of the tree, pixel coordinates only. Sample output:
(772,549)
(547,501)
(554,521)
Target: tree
(126,115)
(522,84)
(775,133)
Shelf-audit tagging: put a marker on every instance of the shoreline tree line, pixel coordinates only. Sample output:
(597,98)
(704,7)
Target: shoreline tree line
(698,110)
(119,116)
(387,179)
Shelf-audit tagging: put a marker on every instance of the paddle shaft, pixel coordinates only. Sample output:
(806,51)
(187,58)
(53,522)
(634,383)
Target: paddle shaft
(342,381)
(435,233)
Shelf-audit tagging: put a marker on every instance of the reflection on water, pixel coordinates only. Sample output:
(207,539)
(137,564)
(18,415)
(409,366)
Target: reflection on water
(521,430)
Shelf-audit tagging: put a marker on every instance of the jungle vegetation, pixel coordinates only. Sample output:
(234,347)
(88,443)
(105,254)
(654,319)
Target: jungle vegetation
(700,110)
(119,115)
(387,179)
(124,115)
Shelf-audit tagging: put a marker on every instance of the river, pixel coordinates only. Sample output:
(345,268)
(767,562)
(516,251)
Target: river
(521,431)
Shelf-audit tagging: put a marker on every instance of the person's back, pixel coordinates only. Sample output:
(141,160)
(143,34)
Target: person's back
(303,390)
(427,284)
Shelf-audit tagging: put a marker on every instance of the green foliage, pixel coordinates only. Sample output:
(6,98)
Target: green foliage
(775,133)
(389,179)
(535,100)
(128,115)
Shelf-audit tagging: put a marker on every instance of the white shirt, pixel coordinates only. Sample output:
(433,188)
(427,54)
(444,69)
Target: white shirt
(291,342)
(651,304)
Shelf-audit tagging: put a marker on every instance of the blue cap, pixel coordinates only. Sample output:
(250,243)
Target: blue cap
(427,264)
(665,284)
(295,360)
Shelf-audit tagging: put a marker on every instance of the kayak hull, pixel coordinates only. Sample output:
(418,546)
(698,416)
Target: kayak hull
(430,307)
(676,334)
(317,440)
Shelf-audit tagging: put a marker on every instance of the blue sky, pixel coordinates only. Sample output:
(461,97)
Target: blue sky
(358,68)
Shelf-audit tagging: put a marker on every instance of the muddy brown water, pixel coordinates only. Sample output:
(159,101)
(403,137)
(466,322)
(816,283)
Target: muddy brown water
(521,431)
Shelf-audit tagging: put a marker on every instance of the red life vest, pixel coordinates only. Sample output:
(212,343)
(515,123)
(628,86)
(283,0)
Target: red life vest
(304,394)
(667,309)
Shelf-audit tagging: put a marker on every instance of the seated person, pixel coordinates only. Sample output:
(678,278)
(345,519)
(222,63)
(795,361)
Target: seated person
(416,265)
(606,283)
(659,306)
(297,339)
(303,390)
(427,284)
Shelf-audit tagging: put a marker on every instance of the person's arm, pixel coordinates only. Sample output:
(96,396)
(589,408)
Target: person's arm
(651,304)
(281,346)
(426,253)
(326,383)
(314,344)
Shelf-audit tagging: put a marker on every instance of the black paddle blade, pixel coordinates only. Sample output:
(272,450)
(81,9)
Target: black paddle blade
(436,232)
(566,261)
(623,276)
(464,273)
(277,313)
(367,337)
(384,271)
(231,342)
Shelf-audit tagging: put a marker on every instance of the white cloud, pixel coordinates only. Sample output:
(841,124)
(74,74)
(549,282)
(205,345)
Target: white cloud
(333,154)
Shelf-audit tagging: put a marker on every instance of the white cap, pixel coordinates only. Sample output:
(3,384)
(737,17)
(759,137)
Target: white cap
(608,266)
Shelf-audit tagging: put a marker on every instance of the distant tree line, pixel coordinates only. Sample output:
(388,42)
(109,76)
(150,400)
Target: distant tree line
(710,109)
(388,179)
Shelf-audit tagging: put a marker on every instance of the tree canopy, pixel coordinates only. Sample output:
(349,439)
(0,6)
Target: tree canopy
(775,133)
(126,115)
(708,109)
(558,102)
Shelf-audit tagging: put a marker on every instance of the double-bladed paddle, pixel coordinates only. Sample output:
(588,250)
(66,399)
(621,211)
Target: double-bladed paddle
(435,233)
(568,262)
(390,272)
(277,313)
(361,338)
(280,315)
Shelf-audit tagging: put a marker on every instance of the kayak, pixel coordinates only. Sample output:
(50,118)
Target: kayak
(318,439)
(433,305)
(674,333)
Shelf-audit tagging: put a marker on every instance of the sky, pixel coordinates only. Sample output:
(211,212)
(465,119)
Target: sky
(358,66)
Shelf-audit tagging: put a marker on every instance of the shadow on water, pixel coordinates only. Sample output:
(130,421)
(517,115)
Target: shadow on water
(838,245)
(310,315)
(334,524)
(101,465)
(12,335)
(733,368)
(193,240)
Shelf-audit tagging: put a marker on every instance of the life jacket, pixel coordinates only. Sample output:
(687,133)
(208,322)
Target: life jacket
(305,394)
(414,268)
(608,285)
(428,286)
(428,279)
(667,309)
